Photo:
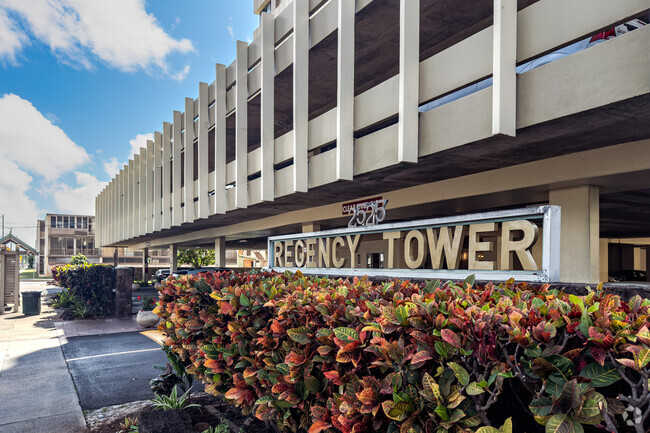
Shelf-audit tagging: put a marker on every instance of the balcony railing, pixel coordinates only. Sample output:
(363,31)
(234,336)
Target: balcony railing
(71,252)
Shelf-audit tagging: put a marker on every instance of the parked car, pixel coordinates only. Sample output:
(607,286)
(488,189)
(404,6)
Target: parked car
(628,275)
(179,272)
(161,274)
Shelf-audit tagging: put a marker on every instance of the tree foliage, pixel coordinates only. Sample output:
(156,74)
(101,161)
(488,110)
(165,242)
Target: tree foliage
(78,259)
(197,258)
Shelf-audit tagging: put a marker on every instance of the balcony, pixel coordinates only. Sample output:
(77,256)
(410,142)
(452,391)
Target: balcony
(88,252)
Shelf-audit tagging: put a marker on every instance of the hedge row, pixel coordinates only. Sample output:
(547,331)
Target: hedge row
(90,284)
(353,356)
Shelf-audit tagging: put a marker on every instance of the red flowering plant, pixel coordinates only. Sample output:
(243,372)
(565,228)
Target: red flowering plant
(352,356)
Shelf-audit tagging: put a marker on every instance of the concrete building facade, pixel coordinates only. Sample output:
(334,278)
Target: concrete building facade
(435,106)
(61,236)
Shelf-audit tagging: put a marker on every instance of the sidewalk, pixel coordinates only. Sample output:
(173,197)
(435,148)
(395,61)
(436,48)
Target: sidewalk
(36,390)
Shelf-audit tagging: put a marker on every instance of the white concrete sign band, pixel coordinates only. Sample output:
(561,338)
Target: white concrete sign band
(519,243)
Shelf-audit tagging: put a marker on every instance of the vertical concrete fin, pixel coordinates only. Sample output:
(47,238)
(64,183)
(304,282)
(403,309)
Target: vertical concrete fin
(188,137)
(300,95)
(177,199)
(409,81)
(345,91)
(504,88)
(220,201)
(150,185)
(157,191)
(241,129)
(203,125)
(267,109)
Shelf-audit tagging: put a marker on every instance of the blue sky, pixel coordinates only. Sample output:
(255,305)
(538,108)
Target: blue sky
(84,81)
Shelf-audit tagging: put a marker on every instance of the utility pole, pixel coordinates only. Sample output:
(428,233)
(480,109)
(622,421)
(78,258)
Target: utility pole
(3,225)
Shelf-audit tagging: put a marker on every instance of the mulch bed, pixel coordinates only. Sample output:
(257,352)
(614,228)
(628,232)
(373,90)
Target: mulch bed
(213,410)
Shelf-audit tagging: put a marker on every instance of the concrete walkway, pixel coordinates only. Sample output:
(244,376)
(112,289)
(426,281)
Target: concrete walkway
(36,390)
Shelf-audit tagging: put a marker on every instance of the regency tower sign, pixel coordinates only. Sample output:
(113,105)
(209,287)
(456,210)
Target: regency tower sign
(519,243)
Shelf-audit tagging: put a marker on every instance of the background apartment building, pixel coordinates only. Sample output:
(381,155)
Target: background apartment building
(441,108)
(61,236)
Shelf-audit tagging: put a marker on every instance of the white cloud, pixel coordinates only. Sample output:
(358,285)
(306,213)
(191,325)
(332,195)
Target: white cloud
(79,199)
(139,141)
(12,39)
(20,211)
(113,165)
(119,33)
(231,31)
(180,76)
(33,142)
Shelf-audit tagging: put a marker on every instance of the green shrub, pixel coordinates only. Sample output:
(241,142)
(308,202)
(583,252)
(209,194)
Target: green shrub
(172,401)
(91,285)
(349,356)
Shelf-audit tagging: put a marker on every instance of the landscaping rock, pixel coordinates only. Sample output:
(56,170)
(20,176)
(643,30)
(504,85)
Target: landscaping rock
(165,421)
(201,427)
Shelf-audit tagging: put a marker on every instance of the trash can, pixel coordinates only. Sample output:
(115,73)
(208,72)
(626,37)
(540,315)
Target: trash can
(31,303)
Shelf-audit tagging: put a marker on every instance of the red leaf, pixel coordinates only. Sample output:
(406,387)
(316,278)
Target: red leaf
(319,426)
(451,337)
(420,358)
(599,354)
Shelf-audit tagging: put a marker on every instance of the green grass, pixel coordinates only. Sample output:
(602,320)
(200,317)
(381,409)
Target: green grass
(31,274)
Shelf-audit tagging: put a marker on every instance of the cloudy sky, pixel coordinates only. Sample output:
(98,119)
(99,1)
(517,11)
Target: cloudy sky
(84,83)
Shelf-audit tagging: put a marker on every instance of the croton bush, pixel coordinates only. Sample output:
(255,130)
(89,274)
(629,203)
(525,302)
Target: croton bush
(356,356)
(90,284)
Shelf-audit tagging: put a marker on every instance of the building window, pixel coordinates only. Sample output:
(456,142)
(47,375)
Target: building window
(53,222)
(59,222)
(66,224)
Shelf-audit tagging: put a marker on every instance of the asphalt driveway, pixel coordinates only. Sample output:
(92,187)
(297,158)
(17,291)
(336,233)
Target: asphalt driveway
(112,368)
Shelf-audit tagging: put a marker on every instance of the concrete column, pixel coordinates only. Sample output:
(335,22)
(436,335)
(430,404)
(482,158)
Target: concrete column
(345,91)
(220,252)
(177,199)
(310,227)
(504,89)
(580,224)
(300,95)
(74,246)
(220,200)
(167,176)
(157,181)
(409,81)
(173,258)
(241,129)
(604,260)
(267,106)
(150,186)
(203,124)
(188,212)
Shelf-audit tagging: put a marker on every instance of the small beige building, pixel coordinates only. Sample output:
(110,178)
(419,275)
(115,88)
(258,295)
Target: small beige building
(61,236)
(444,109)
